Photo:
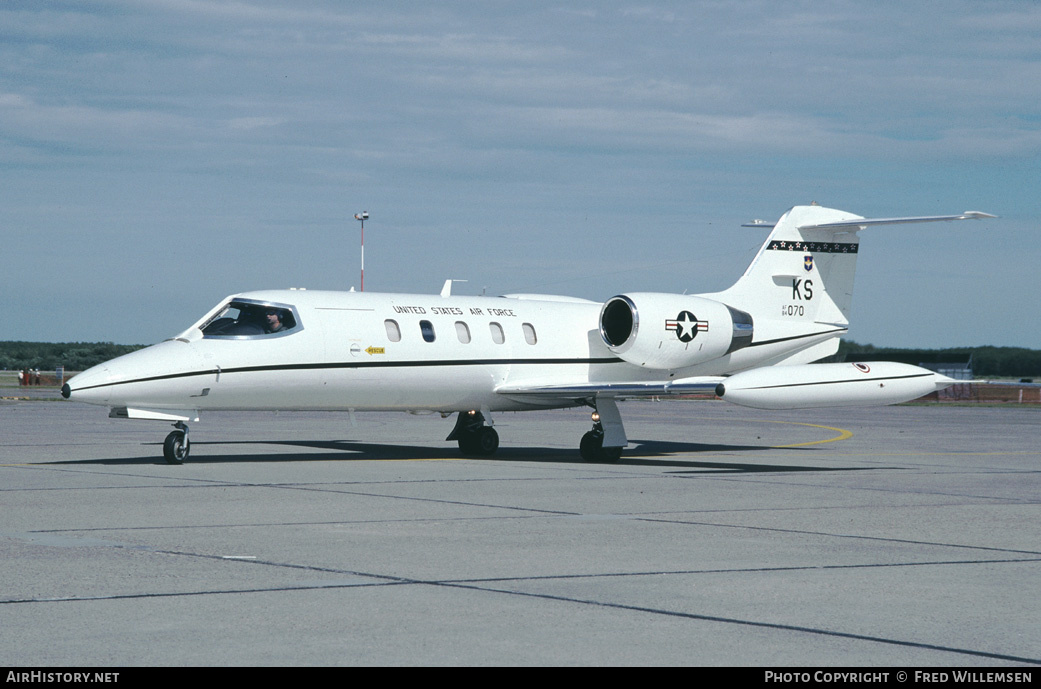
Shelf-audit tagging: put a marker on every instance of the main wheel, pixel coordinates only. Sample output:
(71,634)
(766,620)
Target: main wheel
(176,447)
(590,446)
(486,441)
(467,444)
(592,449)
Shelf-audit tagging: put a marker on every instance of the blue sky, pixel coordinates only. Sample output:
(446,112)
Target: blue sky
(157,156)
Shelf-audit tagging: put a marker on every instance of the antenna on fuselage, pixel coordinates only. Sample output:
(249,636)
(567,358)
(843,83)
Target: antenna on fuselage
(446,291)
(362,217)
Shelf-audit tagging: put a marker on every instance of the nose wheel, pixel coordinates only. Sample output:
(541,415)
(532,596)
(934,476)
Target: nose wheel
(176,446)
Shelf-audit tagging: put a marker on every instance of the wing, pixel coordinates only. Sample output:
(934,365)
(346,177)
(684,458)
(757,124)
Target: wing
(582,391)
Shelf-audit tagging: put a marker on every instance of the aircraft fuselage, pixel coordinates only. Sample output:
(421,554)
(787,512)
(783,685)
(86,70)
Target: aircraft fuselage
(352,350)
(317,350)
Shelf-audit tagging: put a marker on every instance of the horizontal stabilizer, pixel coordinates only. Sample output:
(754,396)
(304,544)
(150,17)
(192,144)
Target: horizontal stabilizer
(866,222)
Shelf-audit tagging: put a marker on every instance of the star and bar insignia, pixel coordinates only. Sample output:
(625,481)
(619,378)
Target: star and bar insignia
(686,325)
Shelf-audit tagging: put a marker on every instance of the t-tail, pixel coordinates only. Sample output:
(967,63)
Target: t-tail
(799,290)
(799,287)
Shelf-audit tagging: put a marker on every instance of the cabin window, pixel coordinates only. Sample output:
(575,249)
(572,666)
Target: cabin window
(245,318)
(529,333)
(427,329)
(497,334)
(393,331)
(463,331)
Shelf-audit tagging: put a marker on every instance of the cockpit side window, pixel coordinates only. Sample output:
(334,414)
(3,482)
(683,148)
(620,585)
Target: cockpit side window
(248,319)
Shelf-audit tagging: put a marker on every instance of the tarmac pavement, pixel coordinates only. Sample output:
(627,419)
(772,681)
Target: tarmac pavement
(901,536)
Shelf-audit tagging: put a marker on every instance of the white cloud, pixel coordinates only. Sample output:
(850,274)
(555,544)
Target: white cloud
(216,120)
(246,123)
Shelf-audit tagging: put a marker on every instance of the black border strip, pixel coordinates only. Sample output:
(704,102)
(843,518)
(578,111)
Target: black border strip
(358,364)
(795,245)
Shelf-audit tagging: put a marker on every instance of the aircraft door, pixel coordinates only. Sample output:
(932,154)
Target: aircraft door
(207,384)
(352,354)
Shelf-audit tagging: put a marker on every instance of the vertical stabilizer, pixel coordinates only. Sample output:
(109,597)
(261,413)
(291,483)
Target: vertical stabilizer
(801,281)
(801,275)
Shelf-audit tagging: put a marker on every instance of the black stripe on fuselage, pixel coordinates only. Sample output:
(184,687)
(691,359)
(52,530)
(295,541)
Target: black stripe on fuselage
(411,363)
(834,382)
(798,337)
(358,364)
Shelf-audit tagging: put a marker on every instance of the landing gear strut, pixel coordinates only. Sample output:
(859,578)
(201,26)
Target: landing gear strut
(592,446)
(474,437)
(176,446)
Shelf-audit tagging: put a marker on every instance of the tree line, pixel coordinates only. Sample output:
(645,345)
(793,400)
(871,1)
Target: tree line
(48,356)
(985,362)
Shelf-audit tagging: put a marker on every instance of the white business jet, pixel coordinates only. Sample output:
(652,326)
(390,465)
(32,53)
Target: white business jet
(751,344)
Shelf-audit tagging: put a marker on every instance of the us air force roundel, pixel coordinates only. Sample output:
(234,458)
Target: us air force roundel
(686,326)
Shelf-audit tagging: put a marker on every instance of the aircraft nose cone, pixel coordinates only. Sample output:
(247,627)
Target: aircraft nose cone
(89,386)
(148,377)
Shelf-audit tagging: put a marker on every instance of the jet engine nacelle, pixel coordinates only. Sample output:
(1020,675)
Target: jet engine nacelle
(670,331)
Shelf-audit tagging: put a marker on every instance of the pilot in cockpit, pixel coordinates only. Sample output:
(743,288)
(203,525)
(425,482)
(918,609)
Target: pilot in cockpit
(274,321)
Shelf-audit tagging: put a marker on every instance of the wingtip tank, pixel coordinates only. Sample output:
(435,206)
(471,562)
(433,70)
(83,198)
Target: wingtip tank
(830,385)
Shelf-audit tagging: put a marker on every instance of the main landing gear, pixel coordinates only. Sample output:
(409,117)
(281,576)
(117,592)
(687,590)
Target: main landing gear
(592,446)
(603,443)
(474,437)
(176,446)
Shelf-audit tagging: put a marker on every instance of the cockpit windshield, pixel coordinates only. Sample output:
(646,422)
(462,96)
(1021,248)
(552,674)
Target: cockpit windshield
(242,318)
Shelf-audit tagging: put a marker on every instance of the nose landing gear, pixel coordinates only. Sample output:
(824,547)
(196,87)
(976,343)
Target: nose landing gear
(176,446)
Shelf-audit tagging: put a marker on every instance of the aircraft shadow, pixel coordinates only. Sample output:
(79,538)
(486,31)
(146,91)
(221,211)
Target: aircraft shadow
(640,453)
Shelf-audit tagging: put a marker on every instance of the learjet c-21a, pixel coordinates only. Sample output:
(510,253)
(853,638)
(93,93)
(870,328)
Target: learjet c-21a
(751,344)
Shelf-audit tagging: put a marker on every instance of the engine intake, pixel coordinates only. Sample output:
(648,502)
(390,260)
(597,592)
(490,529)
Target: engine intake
(670,331)
(619,320)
